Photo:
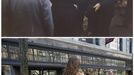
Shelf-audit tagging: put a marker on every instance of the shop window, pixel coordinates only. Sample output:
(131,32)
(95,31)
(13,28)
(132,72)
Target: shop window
(36,55)
(30,54)
(14,52)
(4,52)
(35,72)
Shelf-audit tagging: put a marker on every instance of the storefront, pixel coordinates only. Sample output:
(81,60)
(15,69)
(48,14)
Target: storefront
(44,60)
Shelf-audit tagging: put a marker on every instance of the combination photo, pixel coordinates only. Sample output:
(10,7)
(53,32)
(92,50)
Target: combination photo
(66,37)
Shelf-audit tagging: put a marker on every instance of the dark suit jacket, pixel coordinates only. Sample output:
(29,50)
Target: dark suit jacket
(29,17)
(106,5)
(66,16)
(98,22)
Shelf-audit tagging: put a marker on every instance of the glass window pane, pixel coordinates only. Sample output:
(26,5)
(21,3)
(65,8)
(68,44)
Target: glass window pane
(4,52)
(14,52)
(30,54)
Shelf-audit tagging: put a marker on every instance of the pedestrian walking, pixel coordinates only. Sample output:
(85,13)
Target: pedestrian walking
(73,67)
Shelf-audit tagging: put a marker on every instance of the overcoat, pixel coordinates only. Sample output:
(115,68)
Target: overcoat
(28,17)
(67,17)
(98,22)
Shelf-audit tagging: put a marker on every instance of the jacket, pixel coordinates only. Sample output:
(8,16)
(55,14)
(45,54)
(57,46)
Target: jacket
(29,18)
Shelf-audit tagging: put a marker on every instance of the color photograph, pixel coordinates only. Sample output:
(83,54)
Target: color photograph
(66,37)
(67,56)
(65,18)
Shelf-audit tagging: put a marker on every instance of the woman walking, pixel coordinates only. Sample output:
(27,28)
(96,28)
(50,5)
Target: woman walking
(73,67)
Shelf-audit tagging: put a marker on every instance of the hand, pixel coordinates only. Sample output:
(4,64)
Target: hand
(75,6)
(97,7)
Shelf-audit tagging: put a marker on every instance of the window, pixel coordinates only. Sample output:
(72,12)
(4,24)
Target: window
(120,42)
(49,72)
(45,56)
(36,53)
(130,45)
(41,55)
(14,52)
(84,60)
(35,72)
(82,39)
(89,40)
(108,62)
(51,56)
(56,56)
(52,72)
(4,52)
(64,57)
(97,41)
(30,54)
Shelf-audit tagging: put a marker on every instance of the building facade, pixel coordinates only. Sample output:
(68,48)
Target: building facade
(50,56)
(120,44)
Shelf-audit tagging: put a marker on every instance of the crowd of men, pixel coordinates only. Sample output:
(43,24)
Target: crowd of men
(57,17)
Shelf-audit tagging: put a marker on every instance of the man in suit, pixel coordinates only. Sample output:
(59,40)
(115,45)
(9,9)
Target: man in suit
(27,18)
(67,18)
(99,13)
